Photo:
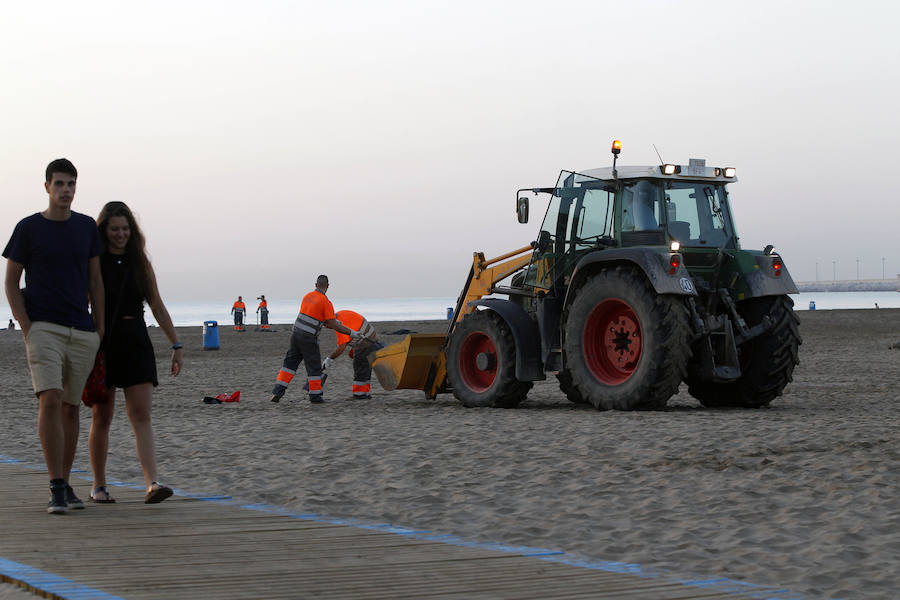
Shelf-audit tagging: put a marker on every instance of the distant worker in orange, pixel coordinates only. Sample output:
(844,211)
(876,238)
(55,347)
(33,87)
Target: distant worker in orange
(316,311)
(359,351)
(263,311)
(238,310)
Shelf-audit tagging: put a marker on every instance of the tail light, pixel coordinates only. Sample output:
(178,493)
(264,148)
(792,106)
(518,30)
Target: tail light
(674,263)
(777,265)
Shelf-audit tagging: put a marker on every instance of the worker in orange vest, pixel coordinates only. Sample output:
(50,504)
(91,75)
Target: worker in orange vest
(263,311)
(316,311)
(238,310)
(359,351)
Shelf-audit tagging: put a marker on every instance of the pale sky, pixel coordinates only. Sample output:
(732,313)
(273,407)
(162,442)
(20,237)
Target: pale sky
(382,143)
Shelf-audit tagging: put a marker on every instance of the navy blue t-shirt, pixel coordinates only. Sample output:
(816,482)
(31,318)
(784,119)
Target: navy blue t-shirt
(55,255)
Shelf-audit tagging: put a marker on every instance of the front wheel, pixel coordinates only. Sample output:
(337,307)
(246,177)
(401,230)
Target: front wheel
(767,361)
(481,363)
(626,347)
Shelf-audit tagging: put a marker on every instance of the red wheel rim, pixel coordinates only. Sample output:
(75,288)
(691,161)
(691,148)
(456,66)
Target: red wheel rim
(612,341)
(476,379)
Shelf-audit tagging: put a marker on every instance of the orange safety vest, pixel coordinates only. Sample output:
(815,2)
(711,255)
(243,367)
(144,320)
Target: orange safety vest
(239,306)
(315,309)
(262,305)
(356,322)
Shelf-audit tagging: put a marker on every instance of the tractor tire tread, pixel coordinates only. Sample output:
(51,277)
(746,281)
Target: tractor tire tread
(509,392)
(651,387)
(761,382)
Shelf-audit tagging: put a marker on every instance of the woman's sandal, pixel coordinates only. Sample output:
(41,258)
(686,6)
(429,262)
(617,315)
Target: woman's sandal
(157,494)
(107,499)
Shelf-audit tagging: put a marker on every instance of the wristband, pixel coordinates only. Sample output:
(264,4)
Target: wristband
(177,346)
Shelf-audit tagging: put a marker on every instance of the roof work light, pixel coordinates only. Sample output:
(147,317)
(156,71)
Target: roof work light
(669,169)
(729,172)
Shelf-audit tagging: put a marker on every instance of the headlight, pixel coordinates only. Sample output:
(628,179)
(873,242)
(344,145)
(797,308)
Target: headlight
(729,172)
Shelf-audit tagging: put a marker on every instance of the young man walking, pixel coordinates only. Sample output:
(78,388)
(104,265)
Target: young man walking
(59,251)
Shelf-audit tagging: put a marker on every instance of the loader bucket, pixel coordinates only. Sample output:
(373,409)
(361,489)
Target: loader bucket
(405,365)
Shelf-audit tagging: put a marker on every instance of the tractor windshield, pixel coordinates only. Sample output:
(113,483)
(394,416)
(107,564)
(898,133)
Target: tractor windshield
(694,213)
(642,220)
(579,218)
(697,214)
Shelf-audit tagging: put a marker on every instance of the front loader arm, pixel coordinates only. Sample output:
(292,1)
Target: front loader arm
(483,276)
(405,365)
(480,283)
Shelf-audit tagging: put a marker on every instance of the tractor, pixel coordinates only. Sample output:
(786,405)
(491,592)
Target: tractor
(635,283)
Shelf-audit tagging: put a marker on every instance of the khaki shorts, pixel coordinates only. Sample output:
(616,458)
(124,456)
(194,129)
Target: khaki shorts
(60,358)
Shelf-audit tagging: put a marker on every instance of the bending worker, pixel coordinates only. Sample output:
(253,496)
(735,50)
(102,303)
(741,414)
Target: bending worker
(359,351)
(263,311)
(316,311)
(238,311)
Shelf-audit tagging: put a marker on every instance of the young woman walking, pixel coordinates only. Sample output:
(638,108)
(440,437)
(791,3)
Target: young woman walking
(129,281)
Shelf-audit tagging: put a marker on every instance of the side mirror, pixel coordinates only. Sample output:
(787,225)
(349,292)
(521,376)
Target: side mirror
(522,209)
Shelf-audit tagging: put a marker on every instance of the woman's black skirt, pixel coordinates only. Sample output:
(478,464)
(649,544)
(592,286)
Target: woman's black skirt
(129,355)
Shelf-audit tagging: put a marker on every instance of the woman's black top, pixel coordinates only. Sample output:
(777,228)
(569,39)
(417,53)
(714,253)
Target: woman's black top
(129,352)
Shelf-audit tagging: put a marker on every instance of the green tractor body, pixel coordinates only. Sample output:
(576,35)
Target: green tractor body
(637,283)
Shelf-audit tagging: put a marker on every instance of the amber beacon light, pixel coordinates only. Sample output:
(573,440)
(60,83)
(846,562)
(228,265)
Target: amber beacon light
(616,146)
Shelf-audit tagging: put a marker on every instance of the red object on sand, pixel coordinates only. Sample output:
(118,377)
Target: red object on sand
(235,397)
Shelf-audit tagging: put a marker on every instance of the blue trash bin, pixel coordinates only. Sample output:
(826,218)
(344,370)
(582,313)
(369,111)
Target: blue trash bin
(812,305)
(210,335)
(449,312)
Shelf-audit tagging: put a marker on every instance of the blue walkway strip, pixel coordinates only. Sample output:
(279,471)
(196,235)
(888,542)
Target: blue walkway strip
(50,583)
(720,585)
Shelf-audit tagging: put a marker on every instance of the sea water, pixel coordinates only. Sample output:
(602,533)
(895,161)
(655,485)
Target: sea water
(419,309)
(281,311)
(835,300)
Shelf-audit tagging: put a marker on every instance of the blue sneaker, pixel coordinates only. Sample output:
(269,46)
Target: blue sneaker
(72,501)
(58,504)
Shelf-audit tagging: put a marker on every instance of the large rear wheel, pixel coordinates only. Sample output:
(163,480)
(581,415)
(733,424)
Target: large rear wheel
(626,347)
(481,362)
(767,361)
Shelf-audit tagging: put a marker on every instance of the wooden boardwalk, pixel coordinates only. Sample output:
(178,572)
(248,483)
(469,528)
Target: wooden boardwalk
(194,548)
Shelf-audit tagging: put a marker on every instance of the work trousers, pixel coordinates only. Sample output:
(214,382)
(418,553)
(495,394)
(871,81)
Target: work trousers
(304,347)
(263,317)
(362,369)
(238,318)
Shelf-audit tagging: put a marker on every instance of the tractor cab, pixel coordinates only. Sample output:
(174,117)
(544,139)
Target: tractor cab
(579,218)
(627,207)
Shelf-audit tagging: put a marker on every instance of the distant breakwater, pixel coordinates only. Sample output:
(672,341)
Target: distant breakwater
(851,285)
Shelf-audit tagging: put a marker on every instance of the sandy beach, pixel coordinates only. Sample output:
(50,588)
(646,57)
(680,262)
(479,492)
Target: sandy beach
(802,495)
